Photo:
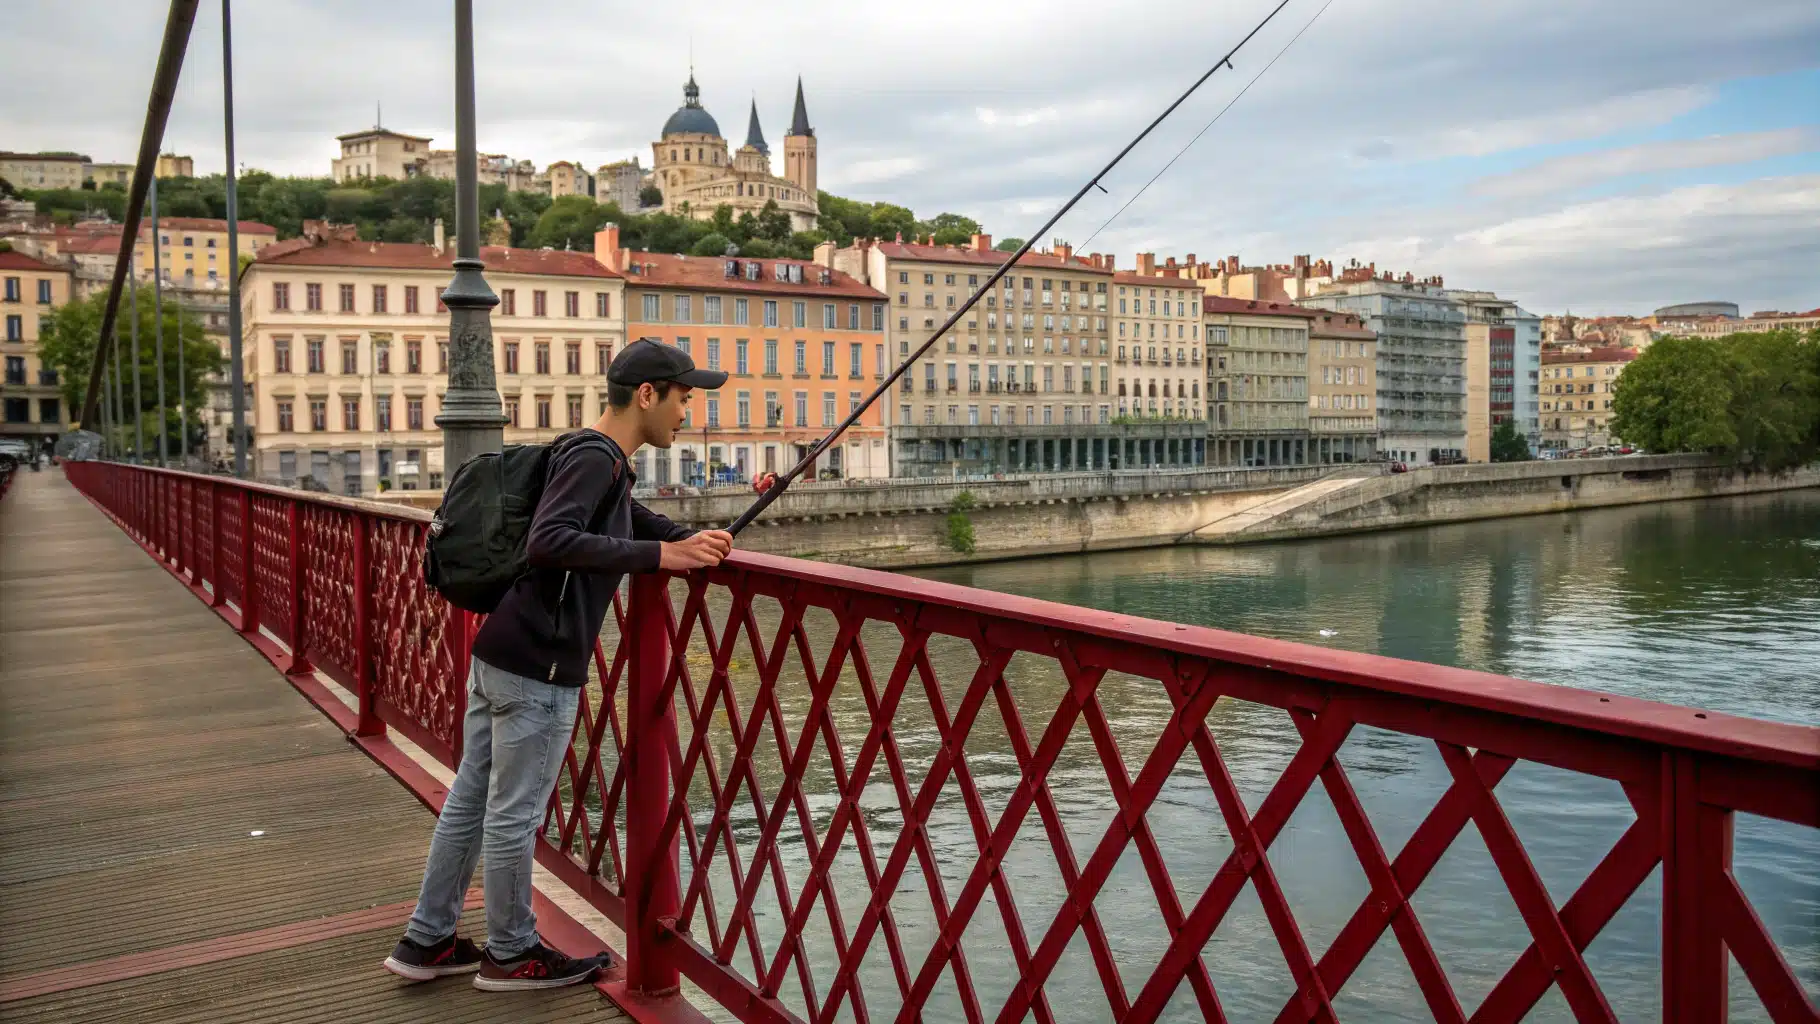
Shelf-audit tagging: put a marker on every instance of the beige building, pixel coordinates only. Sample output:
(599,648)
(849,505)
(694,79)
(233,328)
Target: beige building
(1342,384)
(1156,352)
(697,174)
(43,170)
(31,402)
(379,153)
(1577,395)
(1229,278)
(110,174)
(1026,383)
(347,347)
(567,179)
(1257,377)
(193,251)
(1478,391)
(170,165)
(619,183)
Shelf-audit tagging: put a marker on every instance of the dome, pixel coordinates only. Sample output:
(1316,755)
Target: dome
(690,117)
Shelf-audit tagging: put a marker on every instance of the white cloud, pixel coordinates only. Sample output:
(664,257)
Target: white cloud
(1019,119)
(867,172)
(1564,174)
(1569,123)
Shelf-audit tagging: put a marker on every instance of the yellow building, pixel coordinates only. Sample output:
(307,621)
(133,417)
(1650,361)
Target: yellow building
(193,251)
(347,347)
(110,174)
(31,403)
(696,173)
(1342,387)
(566,179)
(43,170)
(1257,381)
(378,153)
(1478,391)
(1157,347)
(1577,394)
(170,165)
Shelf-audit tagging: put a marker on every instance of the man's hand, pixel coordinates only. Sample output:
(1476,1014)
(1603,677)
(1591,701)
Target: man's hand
(700,551)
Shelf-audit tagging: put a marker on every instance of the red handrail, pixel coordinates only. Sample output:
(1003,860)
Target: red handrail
(685,802)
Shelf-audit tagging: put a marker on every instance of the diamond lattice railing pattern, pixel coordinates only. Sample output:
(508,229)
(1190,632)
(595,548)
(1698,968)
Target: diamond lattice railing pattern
(824,794)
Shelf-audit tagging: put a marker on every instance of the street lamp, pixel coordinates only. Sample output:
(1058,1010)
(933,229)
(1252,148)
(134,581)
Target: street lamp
(471,418)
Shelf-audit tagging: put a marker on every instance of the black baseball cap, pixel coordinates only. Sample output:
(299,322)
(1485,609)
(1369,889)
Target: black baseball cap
(646,362)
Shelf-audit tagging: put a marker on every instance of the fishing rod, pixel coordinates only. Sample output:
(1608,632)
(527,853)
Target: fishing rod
(783,483)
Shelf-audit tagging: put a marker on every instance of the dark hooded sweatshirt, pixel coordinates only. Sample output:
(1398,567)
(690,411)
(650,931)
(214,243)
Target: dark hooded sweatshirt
(588,530)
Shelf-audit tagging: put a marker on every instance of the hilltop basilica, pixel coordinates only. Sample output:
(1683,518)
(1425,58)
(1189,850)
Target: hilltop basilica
(695,173)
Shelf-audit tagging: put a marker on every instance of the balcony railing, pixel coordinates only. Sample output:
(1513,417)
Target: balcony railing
(817,791)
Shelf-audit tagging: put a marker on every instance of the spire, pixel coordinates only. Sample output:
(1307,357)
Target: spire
(755,137)
(799,122)
(691,91)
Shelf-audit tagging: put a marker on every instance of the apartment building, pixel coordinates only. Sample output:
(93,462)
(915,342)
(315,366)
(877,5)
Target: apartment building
(347,354)
(1342,389)
(1577,392)
(43,170)
(568,179)
(194,250)
(1257,377)
(1156,353)
(802,344)
(379,153)
(31,402)
(1025,382)
(1421,360)
(1503,364)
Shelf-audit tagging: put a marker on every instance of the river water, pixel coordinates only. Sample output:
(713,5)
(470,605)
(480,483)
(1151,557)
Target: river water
(1708,603)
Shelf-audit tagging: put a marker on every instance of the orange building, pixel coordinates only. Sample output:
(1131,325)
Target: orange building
(802,345)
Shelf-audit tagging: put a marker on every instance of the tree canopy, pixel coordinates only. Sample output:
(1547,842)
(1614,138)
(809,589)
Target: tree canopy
(1752,396)
(1508,443)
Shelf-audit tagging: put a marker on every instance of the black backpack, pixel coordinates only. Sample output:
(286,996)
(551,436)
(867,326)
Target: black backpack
(475,550)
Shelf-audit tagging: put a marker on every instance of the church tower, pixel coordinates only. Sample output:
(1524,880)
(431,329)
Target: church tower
(799,147)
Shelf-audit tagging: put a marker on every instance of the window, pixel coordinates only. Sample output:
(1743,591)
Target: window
(684,309)
(413,357)
(710,309)
(802,359)
(511,412)
(853,316)
(540,302)
(382,414)
(740,314)
(774,414)
(800,314)
(410,298)
(827,408)
(571,304)
(854,359)
(314,346)
(350,413)
(878,352)
(603,357)
(543,413)
(743,409)
(281,293)
(739,357)
(878,316)
(713,405)
(319,414)
(508,302)
(802,408)
(828,316)
(603,304)
(413,413)
(572,358)
(771,356)
(714,353)
(653,308)
(285,423)
(44,296)
(511,351)
(770,312)
(281,355)
(827,358)
(541,353)
(15,369)
(347,298)
(379,298)
(350,357)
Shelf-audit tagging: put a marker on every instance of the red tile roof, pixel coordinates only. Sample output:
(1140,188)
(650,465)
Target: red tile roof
(1341,325)
(1149,281)
(989,257)
(1597,355)
(247,227)
(302,252)
(1254,307)
(709,273)
(12,259)
(109,244)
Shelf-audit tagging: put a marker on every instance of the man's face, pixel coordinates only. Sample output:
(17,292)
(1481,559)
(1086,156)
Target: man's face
(663,417)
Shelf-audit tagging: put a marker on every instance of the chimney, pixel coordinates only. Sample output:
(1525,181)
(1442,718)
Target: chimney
(1110,259)
(1146,264)
(1064,250)
(1190,260)
(981,243)
(824,255)
(1171,264)
(436,235)
(606,248)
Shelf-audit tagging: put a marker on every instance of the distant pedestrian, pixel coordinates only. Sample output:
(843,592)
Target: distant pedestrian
(530,661)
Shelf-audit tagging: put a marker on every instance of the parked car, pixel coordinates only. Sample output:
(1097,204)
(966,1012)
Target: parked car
(1399,467)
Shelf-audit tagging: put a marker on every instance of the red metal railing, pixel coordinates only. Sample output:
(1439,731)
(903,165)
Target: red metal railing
(777,787)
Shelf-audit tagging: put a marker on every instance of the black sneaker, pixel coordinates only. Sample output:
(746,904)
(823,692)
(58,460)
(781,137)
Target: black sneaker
(452,955)
(537,967)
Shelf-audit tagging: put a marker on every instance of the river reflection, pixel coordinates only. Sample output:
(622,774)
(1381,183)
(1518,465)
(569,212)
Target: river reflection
(1712,603)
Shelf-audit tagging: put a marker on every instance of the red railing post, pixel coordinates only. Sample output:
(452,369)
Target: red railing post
(249,577)
(369,723)
(182,511)
(462,627)
(651,869)
(293,512)
(217,596)
(1696,856)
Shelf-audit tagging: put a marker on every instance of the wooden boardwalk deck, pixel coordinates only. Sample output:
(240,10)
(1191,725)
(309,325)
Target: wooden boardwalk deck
(182,837)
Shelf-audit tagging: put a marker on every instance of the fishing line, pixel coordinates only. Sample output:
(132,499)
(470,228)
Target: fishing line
(783,483)
(1197,135)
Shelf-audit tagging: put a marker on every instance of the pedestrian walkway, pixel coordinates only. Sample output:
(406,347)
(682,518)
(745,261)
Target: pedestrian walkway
(182,837)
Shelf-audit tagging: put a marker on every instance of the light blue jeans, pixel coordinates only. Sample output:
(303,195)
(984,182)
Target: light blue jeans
(514,737)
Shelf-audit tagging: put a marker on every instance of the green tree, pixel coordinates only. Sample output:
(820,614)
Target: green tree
(68,344)
(960,525)
(650,195)
(1753,396)
(1508,444)
(711,244)
(950,228)
(1010,245)
(569,223)
(1775,403)
(774,223)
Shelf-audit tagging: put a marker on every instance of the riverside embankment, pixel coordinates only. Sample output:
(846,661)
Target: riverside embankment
(905,525)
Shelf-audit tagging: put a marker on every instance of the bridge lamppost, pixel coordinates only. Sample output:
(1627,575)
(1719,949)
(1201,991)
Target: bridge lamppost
(472,419)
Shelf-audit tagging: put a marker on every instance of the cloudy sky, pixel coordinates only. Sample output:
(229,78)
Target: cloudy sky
(1606,157)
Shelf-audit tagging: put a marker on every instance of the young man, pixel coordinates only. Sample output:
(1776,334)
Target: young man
(530,661)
